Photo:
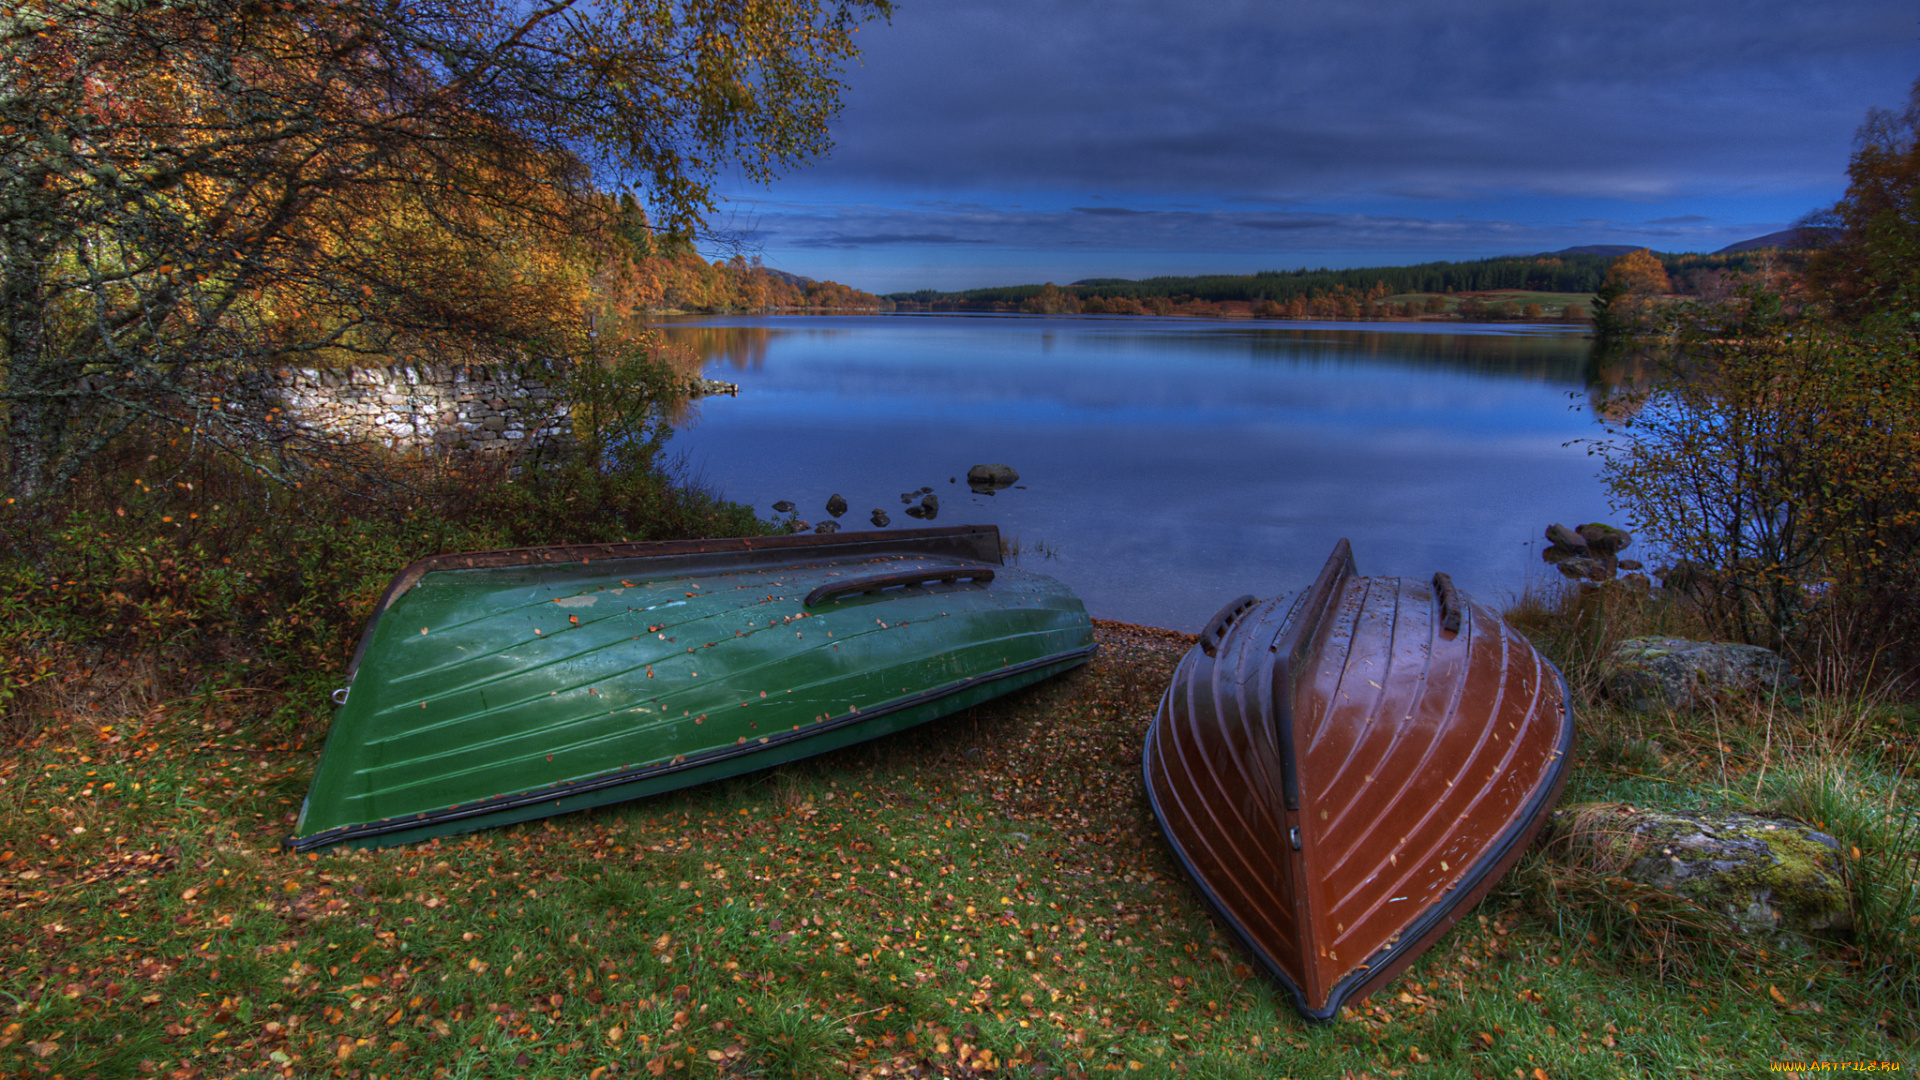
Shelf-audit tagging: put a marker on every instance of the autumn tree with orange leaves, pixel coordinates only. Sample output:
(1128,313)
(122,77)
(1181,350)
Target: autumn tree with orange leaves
(1778,446)
(1626,295)
(194,189)
(1872,264)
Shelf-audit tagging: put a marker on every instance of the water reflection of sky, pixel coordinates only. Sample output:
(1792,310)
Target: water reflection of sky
(1170,464)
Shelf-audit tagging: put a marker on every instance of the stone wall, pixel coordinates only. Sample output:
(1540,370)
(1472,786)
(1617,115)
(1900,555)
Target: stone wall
(443,408)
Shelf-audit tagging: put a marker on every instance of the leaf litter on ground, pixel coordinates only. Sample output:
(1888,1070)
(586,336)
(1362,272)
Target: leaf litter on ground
(987,895)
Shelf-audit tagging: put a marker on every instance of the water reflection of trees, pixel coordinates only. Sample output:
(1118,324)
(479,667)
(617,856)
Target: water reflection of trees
(743,348)
(1619,376)
(1550,358)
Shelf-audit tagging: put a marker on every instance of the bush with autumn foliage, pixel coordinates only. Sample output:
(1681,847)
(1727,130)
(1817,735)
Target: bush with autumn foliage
(1779,451)
(197,190)
(193,190)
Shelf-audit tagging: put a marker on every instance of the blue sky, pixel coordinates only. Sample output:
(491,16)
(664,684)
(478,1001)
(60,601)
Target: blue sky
(992,142)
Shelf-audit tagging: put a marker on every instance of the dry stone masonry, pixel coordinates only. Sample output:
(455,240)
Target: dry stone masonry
(443,408)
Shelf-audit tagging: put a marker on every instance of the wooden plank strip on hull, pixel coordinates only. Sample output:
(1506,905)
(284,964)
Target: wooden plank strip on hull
(1345,775)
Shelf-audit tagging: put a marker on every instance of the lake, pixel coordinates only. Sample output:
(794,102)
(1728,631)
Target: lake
(1166,465)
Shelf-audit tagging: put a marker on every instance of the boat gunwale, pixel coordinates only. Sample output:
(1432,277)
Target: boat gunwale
(632,774)
(984,540)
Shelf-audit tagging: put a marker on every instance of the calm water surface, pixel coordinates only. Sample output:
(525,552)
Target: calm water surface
(1168,465)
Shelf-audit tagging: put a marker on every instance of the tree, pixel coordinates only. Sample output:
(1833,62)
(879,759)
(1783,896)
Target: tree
(1640,273)
(1782,461)
(190,189)
(1626,295)
(1873,263)
(1050,300)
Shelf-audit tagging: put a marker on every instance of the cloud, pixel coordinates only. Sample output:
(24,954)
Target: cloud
(1047,139)
(842,240)
(1259,98)
(1289,224)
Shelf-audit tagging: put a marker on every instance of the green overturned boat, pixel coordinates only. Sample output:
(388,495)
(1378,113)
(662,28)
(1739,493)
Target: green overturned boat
(500,686)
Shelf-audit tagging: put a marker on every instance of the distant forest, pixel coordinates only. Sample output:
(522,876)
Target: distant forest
(1558,273)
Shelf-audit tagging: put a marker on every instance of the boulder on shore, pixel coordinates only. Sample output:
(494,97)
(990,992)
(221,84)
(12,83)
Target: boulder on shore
(1586,567)
(1761,873)
(1648,673)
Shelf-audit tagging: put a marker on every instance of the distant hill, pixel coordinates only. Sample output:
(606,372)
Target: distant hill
(1574,270)
(1605,251)
(796,280)
(1798,237)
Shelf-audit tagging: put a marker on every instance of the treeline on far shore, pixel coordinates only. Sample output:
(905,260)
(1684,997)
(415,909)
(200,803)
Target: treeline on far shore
(1480,289)
(680,280)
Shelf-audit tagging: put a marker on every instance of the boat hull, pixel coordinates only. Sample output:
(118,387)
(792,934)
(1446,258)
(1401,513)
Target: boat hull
(497,687)
(1343,774)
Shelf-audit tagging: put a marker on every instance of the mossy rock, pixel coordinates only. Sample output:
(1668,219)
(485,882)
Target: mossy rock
(1648,673)
(1604,539)
(992,476)
(1765,874)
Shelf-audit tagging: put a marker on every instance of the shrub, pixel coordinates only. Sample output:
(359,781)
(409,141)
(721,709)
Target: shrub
(187,558)
(1783,460)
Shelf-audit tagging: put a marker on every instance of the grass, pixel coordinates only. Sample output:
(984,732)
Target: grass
(987,895)
(1553,305)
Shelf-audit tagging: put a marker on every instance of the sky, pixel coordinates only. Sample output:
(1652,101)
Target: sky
(999,142)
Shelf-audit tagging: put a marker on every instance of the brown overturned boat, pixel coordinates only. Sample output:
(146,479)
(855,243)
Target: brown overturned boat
(1344,774)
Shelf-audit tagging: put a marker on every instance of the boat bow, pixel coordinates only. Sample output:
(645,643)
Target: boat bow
(1344,774)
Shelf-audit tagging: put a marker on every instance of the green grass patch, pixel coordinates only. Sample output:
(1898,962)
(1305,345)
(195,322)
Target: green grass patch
(987,895)
(1553,305)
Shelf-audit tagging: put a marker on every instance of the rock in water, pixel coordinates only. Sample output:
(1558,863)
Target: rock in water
(1567,540)
(995,475)
(1657,672)
(916,511)
(1604,539)
(880,518)
(1763,874)
(930,506)
(783,507)
(827,527)
(836,505)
